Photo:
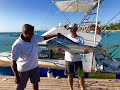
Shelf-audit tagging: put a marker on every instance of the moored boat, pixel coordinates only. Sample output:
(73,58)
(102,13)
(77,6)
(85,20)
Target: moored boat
(49,59)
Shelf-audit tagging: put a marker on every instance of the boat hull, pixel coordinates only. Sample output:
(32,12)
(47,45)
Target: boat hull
(53,64)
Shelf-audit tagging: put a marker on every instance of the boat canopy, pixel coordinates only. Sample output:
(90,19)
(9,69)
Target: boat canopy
(76,5)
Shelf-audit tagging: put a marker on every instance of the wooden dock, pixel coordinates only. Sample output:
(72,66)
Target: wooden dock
(7,83)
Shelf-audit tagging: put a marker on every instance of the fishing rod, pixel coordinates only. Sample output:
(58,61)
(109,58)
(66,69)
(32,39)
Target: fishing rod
(115,54)
(105,34)
(113,51)
(113,17)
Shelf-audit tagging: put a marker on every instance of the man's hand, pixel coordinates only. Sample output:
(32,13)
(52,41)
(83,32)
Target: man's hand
(58,34)
(17,79)
(14,69)
(85,51)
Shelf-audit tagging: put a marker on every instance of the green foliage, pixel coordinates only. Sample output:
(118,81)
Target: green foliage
(112,26)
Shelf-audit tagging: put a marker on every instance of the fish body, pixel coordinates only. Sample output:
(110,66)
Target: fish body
(68,45)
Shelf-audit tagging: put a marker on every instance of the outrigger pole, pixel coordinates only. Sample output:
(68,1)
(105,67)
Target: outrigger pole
(96,21)
(111,20)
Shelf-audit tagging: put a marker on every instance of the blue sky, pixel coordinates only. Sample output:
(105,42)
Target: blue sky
(43,14)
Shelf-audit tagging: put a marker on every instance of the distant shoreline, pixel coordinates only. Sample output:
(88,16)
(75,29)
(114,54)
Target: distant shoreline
(113,30)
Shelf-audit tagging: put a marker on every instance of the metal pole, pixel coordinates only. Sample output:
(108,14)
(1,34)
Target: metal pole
(95,31)
(96,22)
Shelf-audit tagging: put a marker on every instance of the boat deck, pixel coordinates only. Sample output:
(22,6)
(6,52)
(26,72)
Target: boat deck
(7,83)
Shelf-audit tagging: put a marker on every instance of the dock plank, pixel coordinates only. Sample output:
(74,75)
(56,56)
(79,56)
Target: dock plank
(7,83)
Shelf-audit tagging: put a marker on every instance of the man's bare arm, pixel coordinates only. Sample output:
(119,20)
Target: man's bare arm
(14,67)
(15,71)
(51,35)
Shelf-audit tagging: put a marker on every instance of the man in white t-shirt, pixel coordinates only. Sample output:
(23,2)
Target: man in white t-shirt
(24,58)
(73,60)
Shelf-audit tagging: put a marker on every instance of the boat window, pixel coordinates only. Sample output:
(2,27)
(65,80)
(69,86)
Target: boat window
(45,53)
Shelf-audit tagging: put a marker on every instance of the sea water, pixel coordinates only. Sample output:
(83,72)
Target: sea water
(112,39)
(7,39)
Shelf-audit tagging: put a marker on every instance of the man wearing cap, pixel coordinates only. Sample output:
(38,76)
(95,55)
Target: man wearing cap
(24,57)
(73,60)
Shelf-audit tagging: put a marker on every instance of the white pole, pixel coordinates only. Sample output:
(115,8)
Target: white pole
(96,22)
(95,30)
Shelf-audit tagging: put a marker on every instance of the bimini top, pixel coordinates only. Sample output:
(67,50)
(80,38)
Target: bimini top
(76,5)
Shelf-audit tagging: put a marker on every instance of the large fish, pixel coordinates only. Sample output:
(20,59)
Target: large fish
(68,45)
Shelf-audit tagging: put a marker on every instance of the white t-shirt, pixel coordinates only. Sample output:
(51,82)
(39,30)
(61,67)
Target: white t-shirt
(26,53)
(74,57)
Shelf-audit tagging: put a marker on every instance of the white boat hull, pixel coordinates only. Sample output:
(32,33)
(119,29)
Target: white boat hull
(43,63)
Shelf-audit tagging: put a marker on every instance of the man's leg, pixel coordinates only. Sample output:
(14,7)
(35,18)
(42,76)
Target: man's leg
(69,70)
(35,78)
(24,76)
(70,81)
(80,74)
(35,86)
(82,84)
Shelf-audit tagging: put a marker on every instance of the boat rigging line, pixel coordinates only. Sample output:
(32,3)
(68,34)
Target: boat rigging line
(109,22)
(105,34)
(64,10)
(115,54)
